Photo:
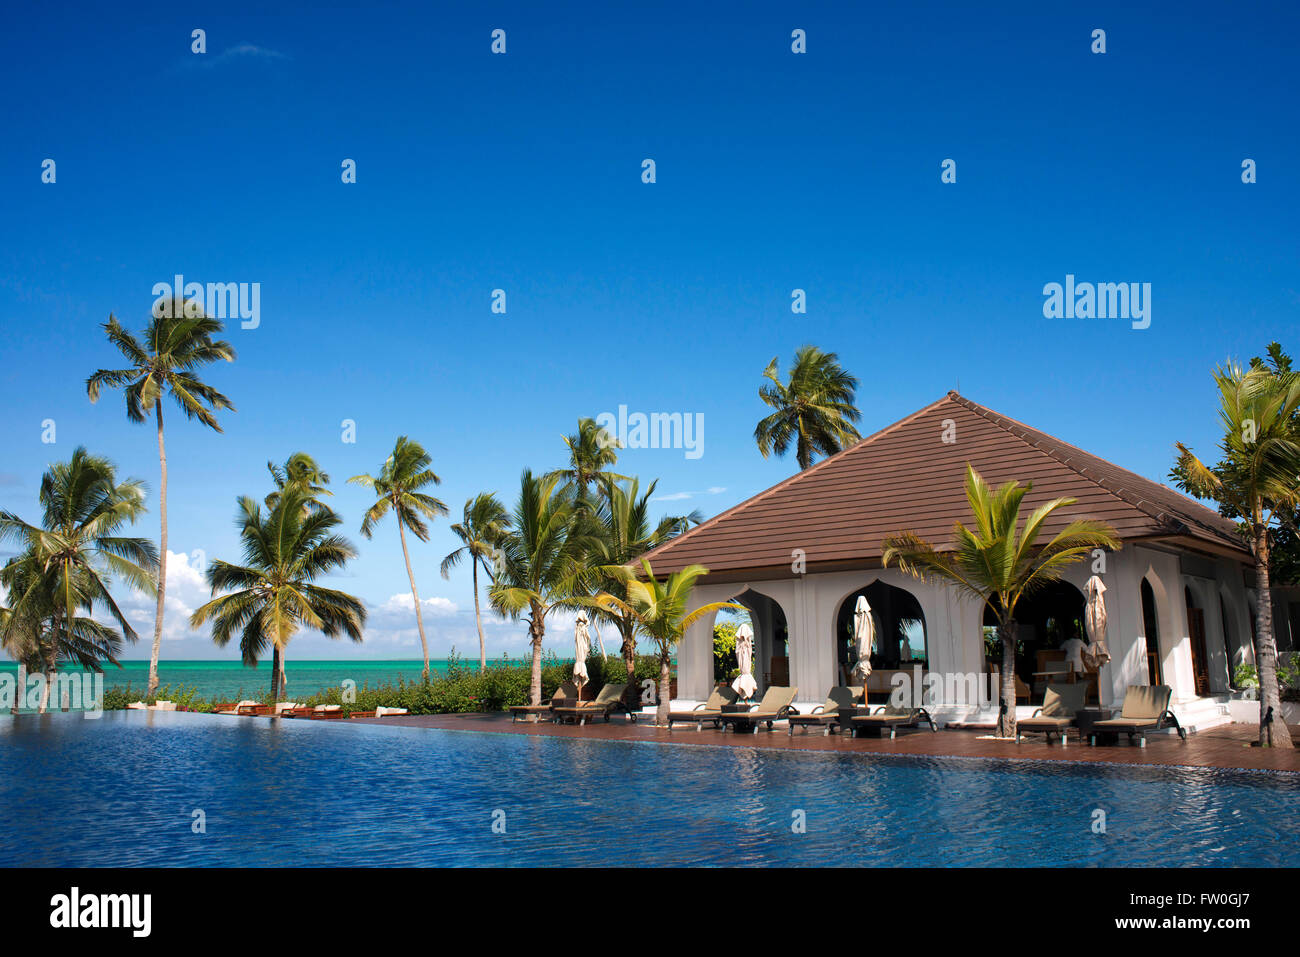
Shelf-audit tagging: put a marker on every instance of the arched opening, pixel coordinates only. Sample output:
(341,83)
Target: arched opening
(1150,627)
(901,640)
(771,639)
(1047,621)
(1196,638)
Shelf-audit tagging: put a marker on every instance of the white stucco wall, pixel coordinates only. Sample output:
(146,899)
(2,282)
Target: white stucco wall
(954,624)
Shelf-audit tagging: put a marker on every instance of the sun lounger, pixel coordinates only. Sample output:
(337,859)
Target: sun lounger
(300,711)
(381,711)
(889,717)
(137,706)
(1061,704)
(361,714)
(826,716)
(710,710)
(777,703)
(608,701)
(1146,708)
(254,708)
(323,712)
(565,694)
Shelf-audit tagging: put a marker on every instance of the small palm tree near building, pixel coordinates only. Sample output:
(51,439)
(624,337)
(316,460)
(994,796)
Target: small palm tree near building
(999,561)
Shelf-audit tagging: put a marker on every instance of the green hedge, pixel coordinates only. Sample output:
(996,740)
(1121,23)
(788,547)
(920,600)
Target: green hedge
(462,689)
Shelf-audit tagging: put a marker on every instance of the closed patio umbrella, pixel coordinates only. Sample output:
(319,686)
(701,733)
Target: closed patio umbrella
(1094,620)
(581,646)
(864,636)
(745,685)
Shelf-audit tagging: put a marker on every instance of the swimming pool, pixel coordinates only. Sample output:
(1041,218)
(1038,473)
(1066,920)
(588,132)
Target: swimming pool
(125,789)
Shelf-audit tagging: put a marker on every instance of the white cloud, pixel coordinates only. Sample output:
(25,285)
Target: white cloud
(406,602)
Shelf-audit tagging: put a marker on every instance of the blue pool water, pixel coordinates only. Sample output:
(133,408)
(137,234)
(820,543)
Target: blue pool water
(122,791)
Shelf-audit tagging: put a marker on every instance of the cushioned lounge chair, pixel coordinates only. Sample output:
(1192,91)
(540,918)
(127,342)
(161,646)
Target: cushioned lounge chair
(1061,704)
(710,710)
(565,694)
(607,702)
(1146,708)
(777,703)
(889,717)
(327,712)
(827,716)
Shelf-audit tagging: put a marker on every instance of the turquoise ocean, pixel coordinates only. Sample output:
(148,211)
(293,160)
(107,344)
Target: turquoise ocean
(229,680)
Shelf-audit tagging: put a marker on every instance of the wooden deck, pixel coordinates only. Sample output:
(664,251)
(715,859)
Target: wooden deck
(1227,746)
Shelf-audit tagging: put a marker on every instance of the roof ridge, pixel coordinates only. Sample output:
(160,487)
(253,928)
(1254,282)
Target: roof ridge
(1027,433)
(753,499)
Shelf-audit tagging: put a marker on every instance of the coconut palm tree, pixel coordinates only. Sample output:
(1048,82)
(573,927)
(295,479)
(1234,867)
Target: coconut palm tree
(592,450)
(622,530)
(67,563)
(541,558)
(1258,478)
(480,530)
(301,471)
(272,594)
(999,561)
(814,408)
(177,343)
(660,611)
(397,488)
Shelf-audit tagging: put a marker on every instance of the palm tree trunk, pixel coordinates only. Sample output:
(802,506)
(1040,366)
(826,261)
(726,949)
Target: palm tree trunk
(478,618)
(1007,705)
(1273,732)
(50,662)
(275,672)
(631,694)
(162,554)
(538,629)
(665,690)
(419,618)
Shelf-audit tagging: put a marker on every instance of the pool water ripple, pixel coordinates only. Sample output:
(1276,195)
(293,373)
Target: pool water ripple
(122,790)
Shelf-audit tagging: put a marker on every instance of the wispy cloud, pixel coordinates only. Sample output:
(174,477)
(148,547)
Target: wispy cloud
(682,496)
(247,52)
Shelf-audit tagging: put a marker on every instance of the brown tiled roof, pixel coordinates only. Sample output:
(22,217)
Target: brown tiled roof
(905,477)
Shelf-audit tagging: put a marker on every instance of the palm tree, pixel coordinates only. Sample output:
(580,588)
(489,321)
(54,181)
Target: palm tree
(397,488)
(67,562)
(592,450)
(301,471)
(659,609)
(272,595)
(999,562)
(622,530)
(480,530)
(540,560)
(814,409)
(176,344)
(1258,478)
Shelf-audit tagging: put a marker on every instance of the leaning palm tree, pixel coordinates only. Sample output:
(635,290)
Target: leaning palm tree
(177,342)
(999,562)
(301,471)
(1258,478)
(273,593)
(660,611)
(814,408)
(485,521)
(66,564)
(540,559)
(622,530)
(397,489)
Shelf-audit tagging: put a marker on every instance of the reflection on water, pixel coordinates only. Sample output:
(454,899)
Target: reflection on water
(123,790)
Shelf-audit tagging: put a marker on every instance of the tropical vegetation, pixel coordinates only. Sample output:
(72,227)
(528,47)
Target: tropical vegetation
(1000,560)
(165,361)
(814,407)
(1257,481)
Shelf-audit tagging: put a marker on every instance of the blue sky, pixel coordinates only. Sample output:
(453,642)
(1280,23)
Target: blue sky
(522,171)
